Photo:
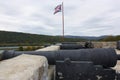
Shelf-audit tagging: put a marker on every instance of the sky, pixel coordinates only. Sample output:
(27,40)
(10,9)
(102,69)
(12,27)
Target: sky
(82,17)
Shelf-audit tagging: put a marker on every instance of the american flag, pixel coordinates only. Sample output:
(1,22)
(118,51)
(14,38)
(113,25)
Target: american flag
(57,9)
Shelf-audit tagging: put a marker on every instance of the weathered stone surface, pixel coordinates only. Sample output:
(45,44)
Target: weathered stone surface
(24,67)
(102,44)
(50,48)
(51,67)
(51,71)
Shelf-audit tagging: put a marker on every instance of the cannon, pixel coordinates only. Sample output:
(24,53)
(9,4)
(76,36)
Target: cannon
(118,45)
(74,45)
(71,46)
(81,64)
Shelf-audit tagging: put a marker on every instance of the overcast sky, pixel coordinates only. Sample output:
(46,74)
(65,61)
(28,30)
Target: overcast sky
(82,17)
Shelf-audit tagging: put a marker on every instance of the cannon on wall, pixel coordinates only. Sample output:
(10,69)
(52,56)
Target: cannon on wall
(74,45)
(118,45)
(83,64)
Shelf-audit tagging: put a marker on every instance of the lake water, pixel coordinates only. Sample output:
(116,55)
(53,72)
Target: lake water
(14,47)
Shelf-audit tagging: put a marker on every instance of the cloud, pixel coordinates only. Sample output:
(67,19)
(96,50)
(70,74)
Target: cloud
(82,17)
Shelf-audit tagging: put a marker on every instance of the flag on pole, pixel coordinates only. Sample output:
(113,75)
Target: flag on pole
(60,8)
(57,9)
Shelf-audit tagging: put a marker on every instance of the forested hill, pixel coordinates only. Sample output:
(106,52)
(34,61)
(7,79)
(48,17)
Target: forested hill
(18,38)
(111,38)
(31,39)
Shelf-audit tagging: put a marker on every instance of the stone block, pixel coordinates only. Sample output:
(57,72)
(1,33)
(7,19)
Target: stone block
(24,67)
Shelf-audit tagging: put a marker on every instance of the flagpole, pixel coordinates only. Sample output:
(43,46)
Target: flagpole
(62,21)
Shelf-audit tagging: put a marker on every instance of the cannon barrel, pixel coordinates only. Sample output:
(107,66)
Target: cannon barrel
(105,57)
(74,45)
(71,46)
(118,45)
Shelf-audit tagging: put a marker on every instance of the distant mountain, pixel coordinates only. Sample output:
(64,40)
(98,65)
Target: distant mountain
(87,37)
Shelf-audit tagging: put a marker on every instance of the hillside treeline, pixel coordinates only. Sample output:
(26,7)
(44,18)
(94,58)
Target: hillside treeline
(111,38)
(16,38)
(21,39)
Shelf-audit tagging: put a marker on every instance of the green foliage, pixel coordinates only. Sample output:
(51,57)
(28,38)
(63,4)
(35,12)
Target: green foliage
(111,38)
(29,48)
(20,48)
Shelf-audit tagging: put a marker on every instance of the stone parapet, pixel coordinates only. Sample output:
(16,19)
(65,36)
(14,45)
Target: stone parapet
(24,67)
